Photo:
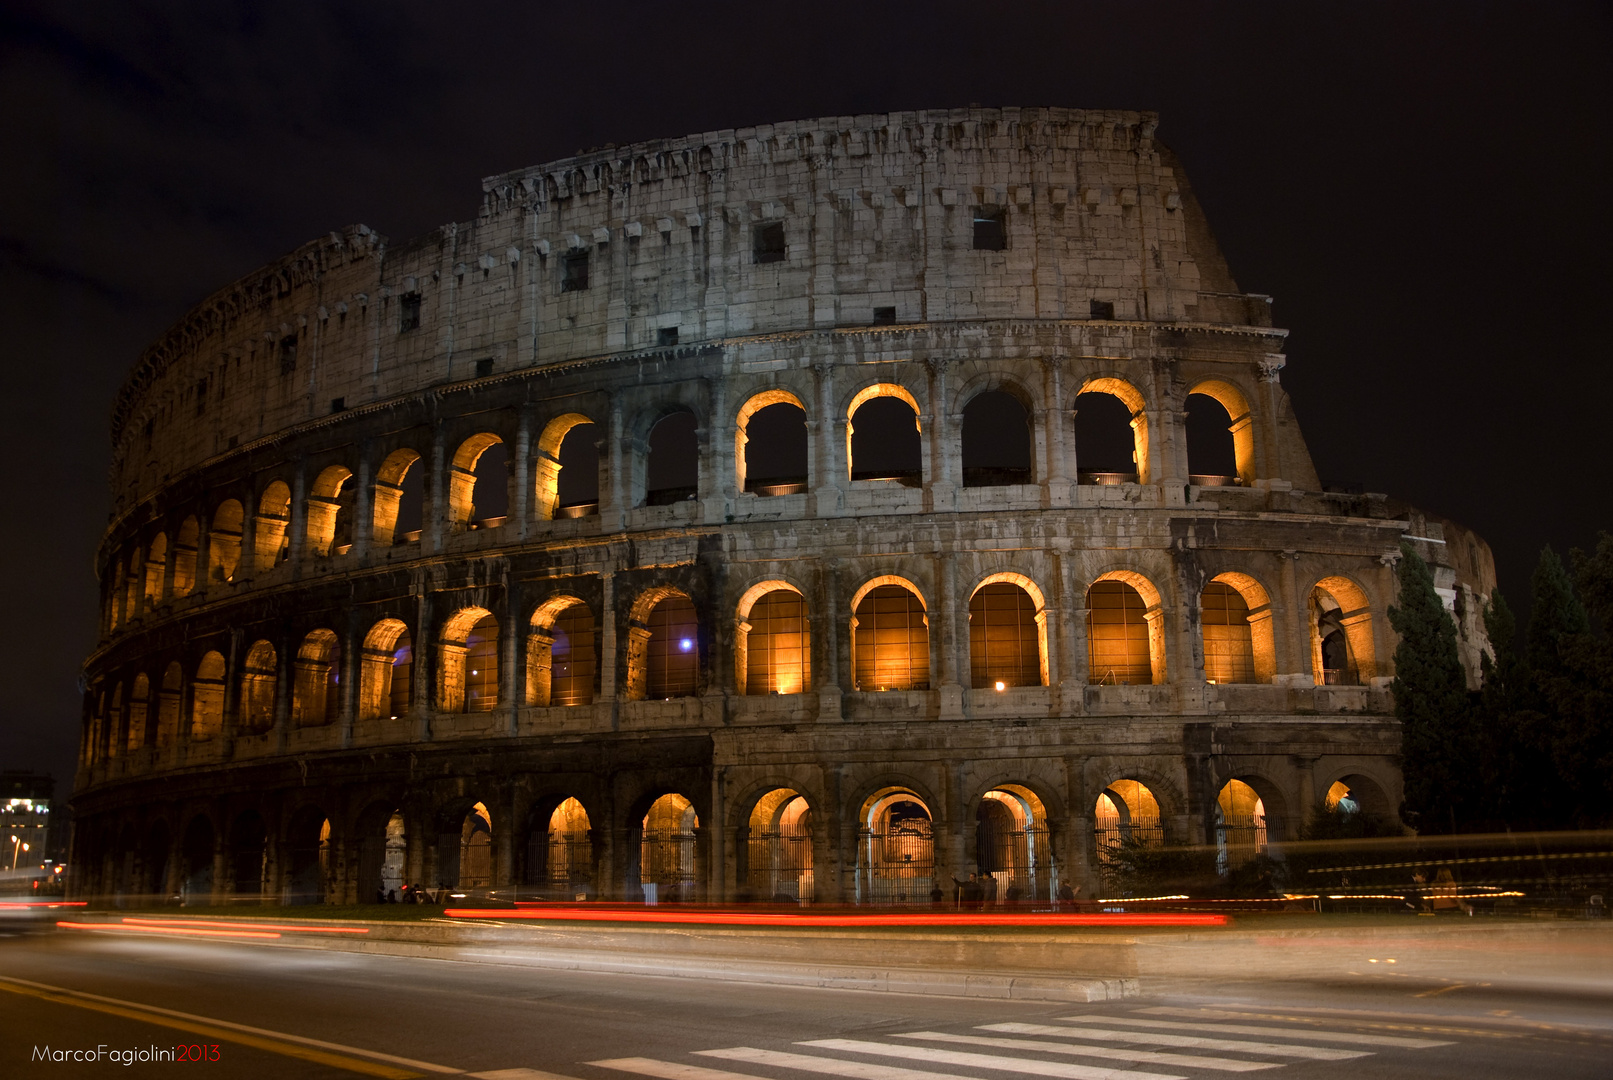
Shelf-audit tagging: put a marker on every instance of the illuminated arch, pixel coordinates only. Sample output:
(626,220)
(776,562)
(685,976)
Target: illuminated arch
(139,712)
(781,662)
(324,505)
(389,495)
(895,847)
(561,664)
(467,662)
(258,677)
(548,462)
(756,404)
(1227,643)
(1232,399)
(667,848)
(1340,602)
(316,679)
(207,698)
(778,848)
(224,541)
(186,544)
(1133,399)
(170,702)
(1012,843)
(663,645)
(869,393)
(985,641)
(977,438)
(462,479)
(892,651)
(1116,611)
(269,525)
(386,671)
(156,567)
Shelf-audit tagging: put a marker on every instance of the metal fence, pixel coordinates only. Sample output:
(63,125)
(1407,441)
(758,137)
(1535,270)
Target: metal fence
(781,864)
(666,860)
(896,867)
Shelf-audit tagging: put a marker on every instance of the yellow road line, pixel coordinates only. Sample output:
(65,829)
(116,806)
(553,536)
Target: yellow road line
(1440,990)
(275,1042)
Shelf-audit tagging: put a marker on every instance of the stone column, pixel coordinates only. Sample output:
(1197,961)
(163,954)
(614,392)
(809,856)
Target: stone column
(938,426)
(1058,443)
(434,511)
(945,639)
(609,664)
(826,431)
(1293,634)
(364,501)
(297,527)
(520,498)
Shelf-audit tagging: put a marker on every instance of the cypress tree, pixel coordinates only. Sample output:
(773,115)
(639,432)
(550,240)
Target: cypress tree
(1438,755)
(1557,613)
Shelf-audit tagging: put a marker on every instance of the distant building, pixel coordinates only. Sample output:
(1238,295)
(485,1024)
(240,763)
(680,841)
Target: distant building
(25,827)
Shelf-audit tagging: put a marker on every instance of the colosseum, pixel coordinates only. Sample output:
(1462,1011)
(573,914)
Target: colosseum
(821,511)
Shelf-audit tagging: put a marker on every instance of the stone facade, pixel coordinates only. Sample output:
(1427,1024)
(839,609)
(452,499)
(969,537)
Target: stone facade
(236,736)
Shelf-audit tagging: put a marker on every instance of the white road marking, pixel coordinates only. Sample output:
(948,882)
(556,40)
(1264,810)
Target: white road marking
(670,1070)
(858,1070)
(1113,1053)
(517,1074)
(987,1061)
(1189,1042)
(1255,1029)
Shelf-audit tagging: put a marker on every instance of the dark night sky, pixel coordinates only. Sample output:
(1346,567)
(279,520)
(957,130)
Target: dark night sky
(1422,187)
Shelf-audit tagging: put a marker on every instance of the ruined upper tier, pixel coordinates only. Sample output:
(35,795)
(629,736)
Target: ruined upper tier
(879,220)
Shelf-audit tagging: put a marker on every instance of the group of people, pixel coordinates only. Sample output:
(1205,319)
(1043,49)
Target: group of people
(981,891)
(412,894)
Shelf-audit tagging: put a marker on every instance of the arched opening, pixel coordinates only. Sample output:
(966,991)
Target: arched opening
(386,672)
(248,846)
(997,441)
(307,857)
(474,847)
(1211,459)
(1111,434)
(316,678)
(467,666)
(672,469)
(1012,846)
(330,512)
(1235,619)
(568,468)
(770,445)
(154,863)
(890,637)
(156,569)
(671,649)
(561,661)
(896,849)
(382,849)
(779,851)
(106,738)
(258,677)
(1359,797)
(270,543)
(132,591)
(139,710)
(478,484)
(1240,826)
(561,855)
(1126,815)
(186,543)
(883,440)
(1125,641)
(170,699)
(1220,434)
(1007,635)
(1342,650)
(667,851)
(399,500)
(207,698)
(196,855)
(224,542)
(773,641)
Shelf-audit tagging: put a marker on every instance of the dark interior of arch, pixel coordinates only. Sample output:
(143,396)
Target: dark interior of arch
(776,450)
(1210,451)
(885,442)
(1104,441)
(492,497)
(578,484)
(672,473)
(412,502)
(996,441)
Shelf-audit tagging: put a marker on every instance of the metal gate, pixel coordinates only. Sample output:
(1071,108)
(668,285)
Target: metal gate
(569,869)
(1022,857)
(897,867)
(666,860)
(781,864)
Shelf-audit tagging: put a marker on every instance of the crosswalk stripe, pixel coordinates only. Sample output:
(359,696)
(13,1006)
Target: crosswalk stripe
(669,1070)
(987,1061)
(1113,1053)
(1256,1029)
(858,1070)
(1190,1042)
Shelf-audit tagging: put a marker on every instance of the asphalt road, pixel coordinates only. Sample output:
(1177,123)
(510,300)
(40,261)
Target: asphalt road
(274,1012)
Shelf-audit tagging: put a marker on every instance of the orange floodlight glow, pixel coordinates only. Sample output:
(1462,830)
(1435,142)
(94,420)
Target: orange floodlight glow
(251,926)
(685,916)
(192,930)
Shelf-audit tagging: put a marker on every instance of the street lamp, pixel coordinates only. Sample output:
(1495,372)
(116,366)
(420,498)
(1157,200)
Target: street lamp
(15,849)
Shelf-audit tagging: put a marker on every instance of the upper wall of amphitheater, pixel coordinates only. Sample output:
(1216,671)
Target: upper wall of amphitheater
(678,240)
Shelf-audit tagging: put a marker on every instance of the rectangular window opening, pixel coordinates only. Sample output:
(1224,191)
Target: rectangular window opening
(409,312)
(484,367)
(574,272)
(991,233)
(884,316)
(338,404)
(767,241)
(1103,309)
(666,336)
(288,355)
